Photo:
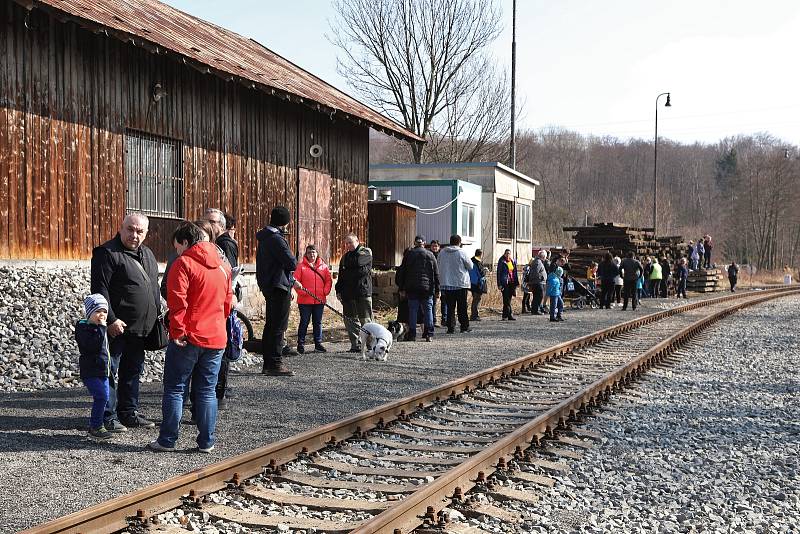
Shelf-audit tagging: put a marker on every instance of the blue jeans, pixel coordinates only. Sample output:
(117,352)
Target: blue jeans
(556,306)
(98,387)
(179,365)
(127,364)
(414,302)
(312,312)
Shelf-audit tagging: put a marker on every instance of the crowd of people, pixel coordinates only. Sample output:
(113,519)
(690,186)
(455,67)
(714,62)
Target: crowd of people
(126,312)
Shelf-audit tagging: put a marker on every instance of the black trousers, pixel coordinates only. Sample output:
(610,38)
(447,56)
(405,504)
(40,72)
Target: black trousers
(733,280)
(275,324)
(629,290)
(508,294)
(663,287)
(606,293)
(476,301)
(456,300)
(538,297)
(526,302)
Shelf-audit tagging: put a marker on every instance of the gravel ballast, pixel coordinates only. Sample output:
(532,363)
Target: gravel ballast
(711,444)
(50,465)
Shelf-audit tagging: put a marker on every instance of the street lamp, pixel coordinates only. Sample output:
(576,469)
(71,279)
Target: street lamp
(655,162)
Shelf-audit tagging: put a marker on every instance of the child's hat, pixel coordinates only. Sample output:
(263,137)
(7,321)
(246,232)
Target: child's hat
(94,302)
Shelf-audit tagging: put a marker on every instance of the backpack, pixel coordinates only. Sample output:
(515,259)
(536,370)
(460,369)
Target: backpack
(235,330)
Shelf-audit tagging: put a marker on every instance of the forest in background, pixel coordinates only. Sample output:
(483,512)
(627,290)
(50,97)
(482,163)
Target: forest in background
(744,191)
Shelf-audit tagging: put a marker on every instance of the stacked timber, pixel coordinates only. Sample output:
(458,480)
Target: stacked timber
(704,280)
(581,257)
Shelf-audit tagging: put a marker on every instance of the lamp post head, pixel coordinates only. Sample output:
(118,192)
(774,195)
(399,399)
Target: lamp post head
(667,105)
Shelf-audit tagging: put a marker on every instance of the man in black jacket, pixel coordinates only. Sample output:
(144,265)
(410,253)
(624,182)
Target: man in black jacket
(125,272)
(536,280)
(225,241)
(275,265)
(418,278)
(354,287)
(631,269)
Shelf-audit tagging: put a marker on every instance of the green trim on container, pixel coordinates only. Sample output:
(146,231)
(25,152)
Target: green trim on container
(455,210)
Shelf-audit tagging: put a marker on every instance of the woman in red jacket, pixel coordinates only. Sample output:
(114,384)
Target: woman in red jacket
(315,276)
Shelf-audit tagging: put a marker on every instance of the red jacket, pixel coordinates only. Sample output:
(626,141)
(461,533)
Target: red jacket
(319,284)
(199,296)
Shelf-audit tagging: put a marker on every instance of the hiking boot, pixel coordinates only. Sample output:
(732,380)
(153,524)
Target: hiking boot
(319,347)
(300,350)
(156,446)
(99,433)
(280,370)
(115,427)
(288,351)
(137,421)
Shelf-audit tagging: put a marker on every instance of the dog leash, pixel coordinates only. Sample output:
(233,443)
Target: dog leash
(352,321)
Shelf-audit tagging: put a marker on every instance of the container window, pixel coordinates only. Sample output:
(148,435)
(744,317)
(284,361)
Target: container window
(468,212)
(523,222)
(505,219)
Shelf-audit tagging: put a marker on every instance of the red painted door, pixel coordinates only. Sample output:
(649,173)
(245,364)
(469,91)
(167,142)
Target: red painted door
(314,212)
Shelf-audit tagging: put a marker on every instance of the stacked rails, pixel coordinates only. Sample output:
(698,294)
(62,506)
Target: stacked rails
(704,280)
(595,240)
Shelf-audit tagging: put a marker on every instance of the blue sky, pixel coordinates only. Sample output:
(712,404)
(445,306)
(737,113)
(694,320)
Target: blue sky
(596,67)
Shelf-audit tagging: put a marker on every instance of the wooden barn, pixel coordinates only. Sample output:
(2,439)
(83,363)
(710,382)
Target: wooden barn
(108,106)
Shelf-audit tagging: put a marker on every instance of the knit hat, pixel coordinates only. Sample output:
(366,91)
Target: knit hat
(94,302)
(419,239)
(279,216)
(559,272)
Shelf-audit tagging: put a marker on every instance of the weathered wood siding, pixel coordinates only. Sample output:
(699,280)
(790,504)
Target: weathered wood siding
(67,97)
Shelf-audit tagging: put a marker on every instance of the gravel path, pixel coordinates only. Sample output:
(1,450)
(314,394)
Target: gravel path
(711,444)
(50,465)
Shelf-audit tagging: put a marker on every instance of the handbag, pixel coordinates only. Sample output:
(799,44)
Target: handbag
(158,337)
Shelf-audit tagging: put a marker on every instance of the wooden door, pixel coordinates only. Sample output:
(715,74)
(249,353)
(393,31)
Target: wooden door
(314,212)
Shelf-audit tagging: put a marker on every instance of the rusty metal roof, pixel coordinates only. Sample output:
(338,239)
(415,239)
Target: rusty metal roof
(162,28)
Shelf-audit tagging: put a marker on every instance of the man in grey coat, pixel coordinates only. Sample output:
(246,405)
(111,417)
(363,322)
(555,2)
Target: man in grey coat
(454,267)
(536,280)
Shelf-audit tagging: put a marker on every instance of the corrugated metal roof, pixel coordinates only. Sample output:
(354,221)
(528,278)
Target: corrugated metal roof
(228,54)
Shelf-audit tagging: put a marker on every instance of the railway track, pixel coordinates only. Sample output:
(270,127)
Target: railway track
(395,467)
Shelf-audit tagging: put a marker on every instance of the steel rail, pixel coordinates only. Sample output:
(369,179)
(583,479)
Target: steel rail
(113,515)
(424,504)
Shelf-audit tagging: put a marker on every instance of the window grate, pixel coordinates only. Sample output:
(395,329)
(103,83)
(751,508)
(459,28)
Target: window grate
(154,175)
(505,219)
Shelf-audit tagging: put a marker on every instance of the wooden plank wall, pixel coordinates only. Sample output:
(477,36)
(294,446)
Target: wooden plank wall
(67,96)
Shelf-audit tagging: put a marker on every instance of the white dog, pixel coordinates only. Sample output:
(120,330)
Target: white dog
(376,341)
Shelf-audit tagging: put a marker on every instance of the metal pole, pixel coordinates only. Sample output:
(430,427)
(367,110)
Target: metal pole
(655,176)
(655,165)
(512,156)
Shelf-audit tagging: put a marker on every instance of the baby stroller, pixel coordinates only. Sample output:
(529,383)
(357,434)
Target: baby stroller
(580,294)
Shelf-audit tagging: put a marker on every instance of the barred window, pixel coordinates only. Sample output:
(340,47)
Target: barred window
(154,175)
(523,222)
(505,219)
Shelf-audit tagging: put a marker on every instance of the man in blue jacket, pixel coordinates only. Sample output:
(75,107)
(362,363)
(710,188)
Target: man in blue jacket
(275,265)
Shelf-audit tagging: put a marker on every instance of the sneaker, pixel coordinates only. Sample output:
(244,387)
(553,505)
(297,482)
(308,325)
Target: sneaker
(512,318)
(354,350)
(466,330)
(560,319)
(426,338)
(137,421)
(553,320)
(451,331)
(99,433)
(474,318)
(300,349)
(156,446)
(206,450)
(115,427)
(280,370)
(288,351)
(319,347)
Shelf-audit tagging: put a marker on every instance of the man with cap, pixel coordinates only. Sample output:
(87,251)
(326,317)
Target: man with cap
(275,265)
(418,278)
(125,272)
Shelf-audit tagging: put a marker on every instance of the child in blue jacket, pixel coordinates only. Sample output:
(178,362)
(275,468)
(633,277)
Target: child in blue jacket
(554,292)
(90,333)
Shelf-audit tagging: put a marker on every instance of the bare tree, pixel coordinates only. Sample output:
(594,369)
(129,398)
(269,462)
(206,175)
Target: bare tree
(408,57)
